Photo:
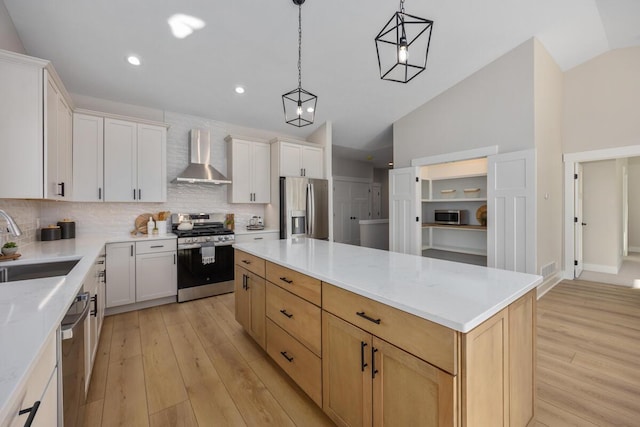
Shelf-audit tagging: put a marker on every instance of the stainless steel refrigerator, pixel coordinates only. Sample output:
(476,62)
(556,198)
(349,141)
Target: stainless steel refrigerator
(304,208)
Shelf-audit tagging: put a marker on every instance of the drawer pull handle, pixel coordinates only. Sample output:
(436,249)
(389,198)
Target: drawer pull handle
(246,261)
(32,413)
(374,371)
(258,238)
(283,311)
(286,356)
(157,246)
(362,364)
(370,319)
(284,279)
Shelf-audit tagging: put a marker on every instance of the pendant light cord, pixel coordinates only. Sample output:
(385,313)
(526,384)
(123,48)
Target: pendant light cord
(300,46)
(402,6)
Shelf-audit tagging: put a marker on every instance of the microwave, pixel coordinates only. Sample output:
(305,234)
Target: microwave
(452,217)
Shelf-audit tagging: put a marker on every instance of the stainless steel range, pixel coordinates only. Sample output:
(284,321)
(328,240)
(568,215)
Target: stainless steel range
(205,255)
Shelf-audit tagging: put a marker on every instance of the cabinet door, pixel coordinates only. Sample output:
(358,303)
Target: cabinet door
(261,173)
(121,274)
(360,203)
(156,275)
(312,163)
(407,389)
(21,119)
(51,137)
(257,288)
(151,164)
(242,297)
(241,171)
(65,149)
(346,372)
(88,158)
(120,180)
(290,159)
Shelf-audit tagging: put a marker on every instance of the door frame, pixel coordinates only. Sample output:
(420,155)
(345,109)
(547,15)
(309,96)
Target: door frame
(570,159)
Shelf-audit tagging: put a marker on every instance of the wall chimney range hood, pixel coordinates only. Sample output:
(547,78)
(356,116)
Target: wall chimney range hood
(199,170)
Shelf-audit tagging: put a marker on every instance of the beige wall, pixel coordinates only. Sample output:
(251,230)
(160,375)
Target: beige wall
(352,168)
(9,39)
(601,107)
(548,82)
(602,211)
(493,106)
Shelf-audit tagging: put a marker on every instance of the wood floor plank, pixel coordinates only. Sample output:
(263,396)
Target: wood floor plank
(125,403)
(180,415)
(164,384)
(301,409)
(92,413)
(173,314)
(255,402)
(101,364)
(124,321)
(550,415)
(207,328)
(125,343)
(209,398)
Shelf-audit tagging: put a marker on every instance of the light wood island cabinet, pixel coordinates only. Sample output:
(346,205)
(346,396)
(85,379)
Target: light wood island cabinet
(249,286)
(369,364)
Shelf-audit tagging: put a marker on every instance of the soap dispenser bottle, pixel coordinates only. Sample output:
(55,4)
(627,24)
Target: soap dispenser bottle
(150,226)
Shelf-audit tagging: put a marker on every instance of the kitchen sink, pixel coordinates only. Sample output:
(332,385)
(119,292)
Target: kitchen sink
(14,273)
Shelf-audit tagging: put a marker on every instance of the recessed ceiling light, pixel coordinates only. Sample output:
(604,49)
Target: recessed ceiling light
(133,60)
(239,89)
(183,25)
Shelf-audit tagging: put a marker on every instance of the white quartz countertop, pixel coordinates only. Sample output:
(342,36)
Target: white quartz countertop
(30,310)
(455,295)
(243,230)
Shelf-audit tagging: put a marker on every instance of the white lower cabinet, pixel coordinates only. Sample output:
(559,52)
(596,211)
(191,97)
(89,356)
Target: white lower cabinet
(141,271)
(41,393)
(257,236)
(94,284)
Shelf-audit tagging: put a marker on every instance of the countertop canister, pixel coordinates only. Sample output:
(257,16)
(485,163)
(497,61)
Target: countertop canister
(67,229)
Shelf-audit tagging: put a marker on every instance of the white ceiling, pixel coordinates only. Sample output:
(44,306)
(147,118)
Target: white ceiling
(254,43)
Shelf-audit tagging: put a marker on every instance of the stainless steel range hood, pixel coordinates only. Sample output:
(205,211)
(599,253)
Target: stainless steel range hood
(199,170)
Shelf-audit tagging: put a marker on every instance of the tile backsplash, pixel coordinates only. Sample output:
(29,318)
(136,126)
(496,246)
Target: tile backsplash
(120,217)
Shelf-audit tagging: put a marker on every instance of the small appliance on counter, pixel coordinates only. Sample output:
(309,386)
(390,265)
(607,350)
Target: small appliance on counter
(51,232)
(67,229)
(255,223)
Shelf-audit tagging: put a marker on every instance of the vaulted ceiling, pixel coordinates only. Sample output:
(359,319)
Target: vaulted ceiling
(253,43)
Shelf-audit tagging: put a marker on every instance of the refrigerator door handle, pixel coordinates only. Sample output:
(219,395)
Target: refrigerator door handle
(312,214)
(307,215)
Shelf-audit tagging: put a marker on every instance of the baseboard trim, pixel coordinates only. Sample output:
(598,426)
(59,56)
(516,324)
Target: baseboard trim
(139,305)
(634,248)
(548,284)
(600,268)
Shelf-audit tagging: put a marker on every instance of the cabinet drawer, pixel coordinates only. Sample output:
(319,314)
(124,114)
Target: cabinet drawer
(156,246)
(298,317)
(429,341)
(300,284)
(257,236)
(250,262)
(304,367)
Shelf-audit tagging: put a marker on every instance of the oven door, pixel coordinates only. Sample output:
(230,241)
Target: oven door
(199,280)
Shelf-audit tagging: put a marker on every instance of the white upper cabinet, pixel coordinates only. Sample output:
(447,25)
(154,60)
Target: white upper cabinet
(88,158)
(300,160)
(35,130)
(250,171)
(134,162)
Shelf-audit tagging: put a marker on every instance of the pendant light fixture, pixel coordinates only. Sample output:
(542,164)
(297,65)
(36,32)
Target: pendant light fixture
(402,46)
(299,105)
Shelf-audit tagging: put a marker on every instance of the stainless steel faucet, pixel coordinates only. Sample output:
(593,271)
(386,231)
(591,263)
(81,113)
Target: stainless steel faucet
(11,224)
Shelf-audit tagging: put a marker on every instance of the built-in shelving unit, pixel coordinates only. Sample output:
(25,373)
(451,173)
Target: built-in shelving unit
(443,187)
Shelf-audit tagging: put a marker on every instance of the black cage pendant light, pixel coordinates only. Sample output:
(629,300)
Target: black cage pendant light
(299,105)
(402,46)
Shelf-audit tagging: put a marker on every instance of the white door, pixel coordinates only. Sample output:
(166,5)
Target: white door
(51,135)
(342,221)
(120,181)
(404,210)
(121,274)
(261,172)
(511,211)
(151,163)
(156,275)
(376,200)
(360,203)
(88,144)
(241,170)
(578,221)
(290,159)
(312,162)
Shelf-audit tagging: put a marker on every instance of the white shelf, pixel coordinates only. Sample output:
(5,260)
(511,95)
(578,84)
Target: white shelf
(460,199)
(456,227)
(459,250)
(444,178)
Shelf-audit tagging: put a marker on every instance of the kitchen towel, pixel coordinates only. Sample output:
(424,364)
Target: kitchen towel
(208,252)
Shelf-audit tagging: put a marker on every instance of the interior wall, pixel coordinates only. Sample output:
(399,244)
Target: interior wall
(25,214)
(602,212)
(493,106)
(9,39)
(634,204)
(351,168)
(548,93)
(601,107)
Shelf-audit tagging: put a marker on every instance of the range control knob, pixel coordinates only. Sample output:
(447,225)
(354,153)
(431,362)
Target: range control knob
(208,238)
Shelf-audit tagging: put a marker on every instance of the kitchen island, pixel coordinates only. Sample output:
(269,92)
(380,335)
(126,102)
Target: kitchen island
(376,337)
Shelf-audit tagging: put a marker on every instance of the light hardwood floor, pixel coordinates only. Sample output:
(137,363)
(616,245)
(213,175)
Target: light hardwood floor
(191,364)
